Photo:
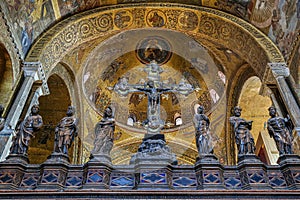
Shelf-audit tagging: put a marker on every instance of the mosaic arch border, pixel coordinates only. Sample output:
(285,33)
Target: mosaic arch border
(209,24)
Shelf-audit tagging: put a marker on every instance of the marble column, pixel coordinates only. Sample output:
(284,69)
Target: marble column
(33,72)
(280,73)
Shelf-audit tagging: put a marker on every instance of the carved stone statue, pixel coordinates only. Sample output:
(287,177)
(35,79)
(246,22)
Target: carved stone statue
(104,132)
(243,137)
(2,120)
(203,137)
(280,129)
(25,132)
(65,132)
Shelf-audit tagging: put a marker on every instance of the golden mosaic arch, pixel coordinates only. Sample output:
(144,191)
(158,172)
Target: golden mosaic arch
(204,23)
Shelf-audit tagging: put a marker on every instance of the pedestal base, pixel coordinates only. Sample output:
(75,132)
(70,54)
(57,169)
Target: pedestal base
(54,172)
(17,158)
(289,164)
(207,159)
(208,173)
(248,158)
(252,172)
(58,158)
(96,175)
(288,159)
(100,158)
(153,175)
(154,149)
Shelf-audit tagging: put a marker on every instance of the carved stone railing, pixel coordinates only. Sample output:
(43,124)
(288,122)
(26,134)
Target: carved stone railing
(66,180)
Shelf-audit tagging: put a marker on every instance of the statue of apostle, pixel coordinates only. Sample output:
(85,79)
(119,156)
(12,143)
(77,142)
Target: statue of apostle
(25,132)
(104,132)
(203,137)
(243,137)
(280,129)
(65,132)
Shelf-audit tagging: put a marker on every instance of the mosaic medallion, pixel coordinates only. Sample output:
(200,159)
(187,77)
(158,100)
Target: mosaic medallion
(156,18)
(153,48)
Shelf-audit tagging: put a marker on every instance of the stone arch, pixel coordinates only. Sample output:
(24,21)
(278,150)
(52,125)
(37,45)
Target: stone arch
(53,107)
(6,77)
(8,43)
(209,27)
(65,72)
(209,24)
(233,95)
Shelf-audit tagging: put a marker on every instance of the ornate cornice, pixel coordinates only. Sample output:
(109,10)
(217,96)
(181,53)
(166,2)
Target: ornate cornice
(236,34)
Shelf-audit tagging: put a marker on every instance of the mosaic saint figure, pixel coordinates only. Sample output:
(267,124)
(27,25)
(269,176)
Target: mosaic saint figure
(203,136)
(25,131)
(2,120)
(122,86)
(280,129)
(153,70)
(104,132)
(65,132)
(243,137)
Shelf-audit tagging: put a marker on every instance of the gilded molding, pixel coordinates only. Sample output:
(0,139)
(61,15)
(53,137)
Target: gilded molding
(200,22)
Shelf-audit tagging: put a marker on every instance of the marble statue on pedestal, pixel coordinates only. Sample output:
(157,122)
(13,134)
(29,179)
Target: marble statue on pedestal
(65,132)
(105,136)
(25,132)
(203,137)
(280,129)
(243,137)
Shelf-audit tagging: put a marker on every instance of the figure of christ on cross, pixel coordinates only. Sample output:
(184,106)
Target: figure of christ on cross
(153,123)
(153,89)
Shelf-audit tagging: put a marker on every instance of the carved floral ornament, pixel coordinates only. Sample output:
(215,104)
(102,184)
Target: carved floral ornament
(199,22)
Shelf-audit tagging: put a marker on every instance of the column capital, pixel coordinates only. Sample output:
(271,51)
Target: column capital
(36,71)
(279,69)
(31,69)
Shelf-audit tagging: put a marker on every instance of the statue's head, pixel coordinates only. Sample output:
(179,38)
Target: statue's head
(200,109)
(70,111)
(237,111)
(272,111)
(35,109)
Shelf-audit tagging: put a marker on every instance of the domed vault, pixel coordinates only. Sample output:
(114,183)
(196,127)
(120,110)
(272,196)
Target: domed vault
(212,50)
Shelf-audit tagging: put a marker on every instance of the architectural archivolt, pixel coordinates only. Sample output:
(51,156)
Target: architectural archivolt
(198,22)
